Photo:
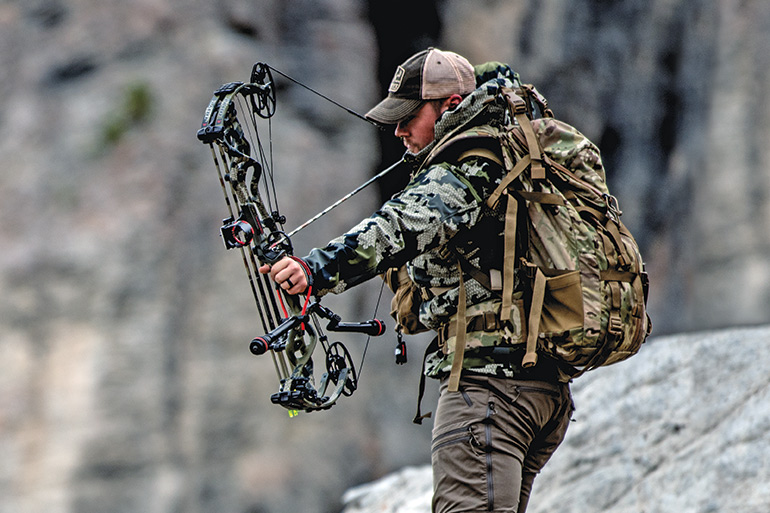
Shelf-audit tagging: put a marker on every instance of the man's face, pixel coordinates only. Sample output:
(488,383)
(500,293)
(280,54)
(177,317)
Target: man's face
(416,131)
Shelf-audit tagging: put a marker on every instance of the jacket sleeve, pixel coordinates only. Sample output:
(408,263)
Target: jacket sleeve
(433,207)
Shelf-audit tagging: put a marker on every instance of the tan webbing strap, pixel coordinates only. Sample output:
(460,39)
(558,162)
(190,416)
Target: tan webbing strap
(615,325)
(615,295)
(476,274)
(639,292)
(623,231)
(624,258)
(509,240)
(612,260)
(544,198)
(509,257)
(597,214)
(538,169)
(615,275)
(519,109)
(539,98)
(481,152)
(519,168)
(460,328)
(535,311)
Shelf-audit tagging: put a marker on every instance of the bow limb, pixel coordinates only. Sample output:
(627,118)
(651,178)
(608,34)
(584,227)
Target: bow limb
(212,134)
(239,174)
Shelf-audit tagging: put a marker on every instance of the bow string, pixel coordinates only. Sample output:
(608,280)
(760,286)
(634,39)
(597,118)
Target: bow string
(292,325)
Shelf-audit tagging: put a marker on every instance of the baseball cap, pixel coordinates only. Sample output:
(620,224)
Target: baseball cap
(431,74)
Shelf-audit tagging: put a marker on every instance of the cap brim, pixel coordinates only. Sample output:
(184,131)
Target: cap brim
(392,110)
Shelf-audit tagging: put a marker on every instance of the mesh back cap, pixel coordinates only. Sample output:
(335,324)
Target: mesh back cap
(431,74)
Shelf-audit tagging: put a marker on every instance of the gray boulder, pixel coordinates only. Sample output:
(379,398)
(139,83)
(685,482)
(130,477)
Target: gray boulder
(682,427)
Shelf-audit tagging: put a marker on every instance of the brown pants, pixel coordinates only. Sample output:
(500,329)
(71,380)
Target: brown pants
(492,438)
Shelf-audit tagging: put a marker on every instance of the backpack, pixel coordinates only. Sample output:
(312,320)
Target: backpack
(585,283)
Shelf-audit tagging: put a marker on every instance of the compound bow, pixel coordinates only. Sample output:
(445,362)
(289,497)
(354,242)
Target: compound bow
(292,324)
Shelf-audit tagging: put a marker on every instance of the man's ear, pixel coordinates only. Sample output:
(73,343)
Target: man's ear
(454,101)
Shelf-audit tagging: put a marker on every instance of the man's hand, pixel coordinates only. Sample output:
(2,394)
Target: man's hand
(288,274)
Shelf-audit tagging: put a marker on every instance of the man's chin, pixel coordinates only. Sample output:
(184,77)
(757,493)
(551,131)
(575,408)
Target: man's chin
(412,149)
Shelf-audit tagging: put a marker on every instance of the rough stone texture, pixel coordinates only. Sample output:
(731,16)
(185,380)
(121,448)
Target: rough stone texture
(125,380)
(683,426)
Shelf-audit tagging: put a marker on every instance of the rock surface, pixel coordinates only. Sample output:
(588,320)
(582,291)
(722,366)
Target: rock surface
(683,426)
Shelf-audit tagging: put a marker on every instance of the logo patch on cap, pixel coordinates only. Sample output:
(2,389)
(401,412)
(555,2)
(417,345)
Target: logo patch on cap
(397,78)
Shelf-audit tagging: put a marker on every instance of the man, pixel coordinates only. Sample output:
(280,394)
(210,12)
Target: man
(497,427)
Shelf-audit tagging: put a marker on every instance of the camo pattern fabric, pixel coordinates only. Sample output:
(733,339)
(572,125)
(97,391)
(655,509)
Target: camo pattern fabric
(442,202)
(480,344)
(576,309)
(567,146)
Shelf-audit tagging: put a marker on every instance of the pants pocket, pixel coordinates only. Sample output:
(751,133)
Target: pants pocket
(461,478)
(458,449)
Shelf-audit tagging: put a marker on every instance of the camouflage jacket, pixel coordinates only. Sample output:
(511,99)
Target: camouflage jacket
(440,212)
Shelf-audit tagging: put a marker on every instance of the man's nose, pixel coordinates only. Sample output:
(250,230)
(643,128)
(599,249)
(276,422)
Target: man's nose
(400,131)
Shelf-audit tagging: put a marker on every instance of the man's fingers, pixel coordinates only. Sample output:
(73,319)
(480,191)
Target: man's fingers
(293,283)
(289,275)
(274,268)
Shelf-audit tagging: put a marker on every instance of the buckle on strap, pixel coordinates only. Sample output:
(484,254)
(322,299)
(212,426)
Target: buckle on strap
(615,326)
(517,103)
(490,320)
(442,335)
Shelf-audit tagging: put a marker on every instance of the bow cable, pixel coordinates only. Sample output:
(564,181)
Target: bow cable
(359,116)
(348,110)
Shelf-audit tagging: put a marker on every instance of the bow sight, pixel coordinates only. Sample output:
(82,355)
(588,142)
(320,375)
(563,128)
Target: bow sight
(254,226)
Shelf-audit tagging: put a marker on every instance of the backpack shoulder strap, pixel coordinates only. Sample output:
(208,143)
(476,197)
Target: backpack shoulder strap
(521,113)
(480,141)
(481,152)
